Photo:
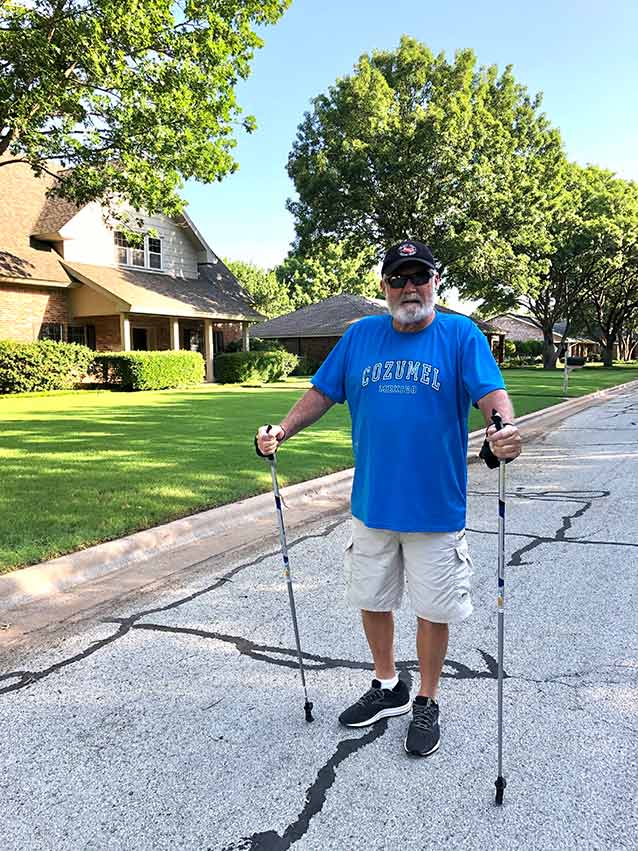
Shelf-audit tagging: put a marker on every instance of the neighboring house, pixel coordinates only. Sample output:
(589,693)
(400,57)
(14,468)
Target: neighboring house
(314,330)
(65,275)
(520,328)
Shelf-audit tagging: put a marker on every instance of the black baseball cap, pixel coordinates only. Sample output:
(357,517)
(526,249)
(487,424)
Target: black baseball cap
(408,251)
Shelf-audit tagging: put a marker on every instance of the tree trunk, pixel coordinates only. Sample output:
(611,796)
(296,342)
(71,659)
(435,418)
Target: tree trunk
(549,351)
(607,352)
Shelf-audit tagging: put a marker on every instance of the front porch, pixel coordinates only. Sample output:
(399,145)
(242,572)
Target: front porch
(206,336)
(139,332)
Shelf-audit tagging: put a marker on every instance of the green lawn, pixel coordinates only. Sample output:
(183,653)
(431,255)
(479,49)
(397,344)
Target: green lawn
(84,467)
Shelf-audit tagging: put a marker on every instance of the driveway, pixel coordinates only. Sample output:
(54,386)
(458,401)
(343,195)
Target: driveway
(175,721)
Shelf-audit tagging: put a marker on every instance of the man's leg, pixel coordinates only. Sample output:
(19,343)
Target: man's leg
(374,585)
(385,698)
(379,630)
(431,647)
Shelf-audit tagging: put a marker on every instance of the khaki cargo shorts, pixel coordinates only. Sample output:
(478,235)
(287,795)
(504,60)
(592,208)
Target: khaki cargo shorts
(436,566)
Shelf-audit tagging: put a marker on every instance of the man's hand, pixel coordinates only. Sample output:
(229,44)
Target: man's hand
(505,444)
(268,441)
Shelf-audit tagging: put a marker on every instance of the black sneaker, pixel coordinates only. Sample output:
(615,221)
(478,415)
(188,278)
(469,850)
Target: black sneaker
(424,735)
(377,703)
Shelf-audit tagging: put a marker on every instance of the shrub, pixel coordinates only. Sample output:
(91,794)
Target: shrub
(237,368)
(509,348)
(43,365)
(306,366)
(522,361)
(256,345)
(149,370)
(254,367)
(528,348)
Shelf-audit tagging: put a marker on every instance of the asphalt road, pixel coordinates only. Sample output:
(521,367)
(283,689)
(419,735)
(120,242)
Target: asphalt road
(177,722)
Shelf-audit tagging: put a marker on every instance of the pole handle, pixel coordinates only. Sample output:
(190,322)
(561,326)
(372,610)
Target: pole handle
(497,419)
(486,453)
(258,450)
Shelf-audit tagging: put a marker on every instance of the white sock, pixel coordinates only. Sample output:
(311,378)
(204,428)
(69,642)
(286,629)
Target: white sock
(389,684)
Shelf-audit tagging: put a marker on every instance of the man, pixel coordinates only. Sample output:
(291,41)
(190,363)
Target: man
(409,379)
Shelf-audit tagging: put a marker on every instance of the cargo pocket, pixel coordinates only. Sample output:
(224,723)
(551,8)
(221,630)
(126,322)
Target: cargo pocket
(463,584)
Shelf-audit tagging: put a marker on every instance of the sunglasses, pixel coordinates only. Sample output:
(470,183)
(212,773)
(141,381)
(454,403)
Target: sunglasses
(397,282)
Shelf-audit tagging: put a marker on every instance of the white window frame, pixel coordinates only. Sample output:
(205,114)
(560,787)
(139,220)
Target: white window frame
(147,262)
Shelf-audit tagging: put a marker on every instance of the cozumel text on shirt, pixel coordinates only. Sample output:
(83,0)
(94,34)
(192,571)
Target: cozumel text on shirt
(409,396)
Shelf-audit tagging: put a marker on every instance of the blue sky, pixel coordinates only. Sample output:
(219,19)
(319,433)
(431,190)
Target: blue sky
(580,53)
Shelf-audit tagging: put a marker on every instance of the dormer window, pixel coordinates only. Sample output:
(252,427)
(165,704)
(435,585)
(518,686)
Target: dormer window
(141,251)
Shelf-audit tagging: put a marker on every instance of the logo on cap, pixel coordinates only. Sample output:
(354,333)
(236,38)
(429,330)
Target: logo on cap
(407,249)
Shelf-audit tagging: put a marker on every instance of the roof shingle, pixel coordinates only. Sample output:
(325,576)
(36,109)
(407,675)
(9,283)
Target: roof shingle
(214,294)
(332,316)
(22,202)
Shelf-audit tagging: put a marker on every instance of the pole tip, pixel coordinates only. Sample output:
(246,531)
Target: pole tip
(308,707)
(500,784)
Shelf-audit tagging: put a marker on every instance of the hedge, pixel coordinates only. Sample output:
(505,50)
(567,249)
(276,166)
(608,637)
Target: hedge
(149,370)
(306,366)
(254,367)
(256,345)
(43,365)
(529,348)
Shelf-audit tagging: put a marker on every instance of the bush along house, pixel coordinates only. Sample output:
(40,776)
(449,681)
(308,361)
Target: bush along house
(66,275)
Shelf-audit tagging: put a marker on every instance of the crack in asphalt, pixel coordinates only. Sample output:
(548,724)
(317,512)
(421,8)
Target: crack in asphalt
(27,678)
(585,497)
(249,648)
(316,793)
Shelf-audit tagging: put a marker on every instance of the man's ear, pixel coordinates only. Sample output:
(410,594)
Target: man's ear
(382,287)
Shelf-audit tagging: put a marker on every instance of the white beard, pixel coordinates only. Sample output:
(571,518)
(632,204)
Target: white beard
(411,313)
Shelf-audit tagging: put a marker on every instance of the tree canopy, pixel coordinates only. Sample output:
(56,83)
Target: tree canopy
(411,145)
(607,299)
(270,297)
(326,271)
(129,97)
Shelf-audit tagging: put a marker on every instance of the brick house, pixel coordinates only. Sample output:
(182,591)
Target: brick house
(65,274)
(314,330)
(521,328)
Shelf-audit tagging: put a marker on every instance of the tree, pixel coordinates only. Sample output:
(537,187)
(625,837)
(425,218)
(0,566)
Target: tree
(327,271)
(128,97)
(270,298)
(628,339)
(591,263)
(608,298)
(411,145)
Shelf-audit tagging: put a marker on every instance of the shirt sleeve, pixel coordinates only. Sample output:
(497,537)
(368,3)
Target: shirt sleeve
(481,374)
(330,378)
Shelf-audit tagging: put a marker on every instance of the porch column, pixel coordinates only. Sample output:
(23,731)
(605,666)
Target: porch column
(174,328)
(245,339)
(209,350)
(125,332)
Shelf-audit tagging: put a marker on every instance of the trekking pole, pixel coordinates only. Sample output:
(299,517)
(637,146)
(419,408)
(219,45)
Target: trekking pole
(284,552)
(493,462)
(500,781)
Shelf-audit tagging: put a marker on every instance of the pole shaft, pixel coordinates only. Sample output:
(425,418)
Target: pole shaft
(501,606)
(284,552)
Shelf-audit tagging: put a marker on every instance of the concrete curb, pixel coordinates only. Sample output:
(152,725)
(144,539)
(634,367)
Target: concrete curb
(236,524)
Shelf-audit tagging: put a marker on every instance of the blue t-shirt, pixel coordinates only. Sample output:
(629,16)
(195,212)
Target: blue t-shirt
(409,396)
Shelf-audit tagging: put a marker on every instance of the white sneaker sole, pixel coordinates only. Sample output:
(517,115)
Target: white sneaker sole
(384,713)
(418,753)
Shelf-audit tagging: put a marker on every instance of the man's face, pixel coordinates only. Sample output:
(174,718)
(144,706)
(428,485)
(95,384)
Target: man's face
(411,304)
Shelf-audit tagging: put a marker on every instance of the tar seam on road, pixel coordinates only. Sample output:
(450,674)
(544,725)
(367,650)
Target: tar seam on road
(27,678)
(586,498)
(315,794)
